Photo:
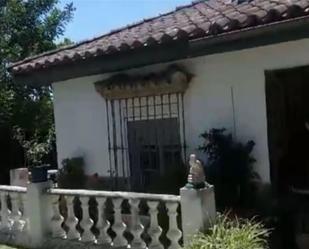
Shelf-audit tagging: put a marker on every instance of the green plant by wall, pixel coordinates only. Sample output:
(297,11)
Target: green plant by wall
(229,166)
(235,233)
(36,148)
(72,174)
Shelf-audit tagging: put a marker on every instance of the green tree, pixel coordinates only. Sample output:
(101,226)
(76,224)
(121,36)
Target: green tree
(65,42)
(27,27)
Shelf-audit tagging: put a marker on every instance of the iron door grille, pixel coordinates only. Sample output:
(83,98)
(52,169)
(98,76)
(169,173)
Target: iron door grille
(120,112)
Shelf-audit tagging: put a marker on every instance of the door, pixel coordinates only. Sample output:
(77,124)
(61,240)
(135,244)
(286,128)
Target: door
(154,148)
(287,99)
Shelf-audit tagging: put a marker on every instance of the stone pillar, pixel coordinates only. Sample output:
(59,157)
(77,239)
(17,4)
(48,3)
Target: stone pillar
(19,177)
(38,212)
(198,208)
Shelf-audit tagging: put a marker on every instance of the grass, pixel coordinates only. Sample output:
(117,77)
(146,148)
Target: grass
(7,247)
(229,233)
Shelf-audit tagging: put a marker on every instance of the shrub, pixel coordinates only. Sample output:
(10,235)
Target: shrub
(232,234)
(72,174)
(229,166)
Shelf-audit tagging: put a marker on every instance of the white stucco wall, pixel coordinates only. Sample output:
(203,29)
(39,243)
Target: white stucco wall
(80,110)
(80,124)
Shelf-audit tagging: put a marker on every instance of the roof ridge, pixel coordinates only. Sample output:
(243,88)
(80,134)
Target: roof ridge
(111,32)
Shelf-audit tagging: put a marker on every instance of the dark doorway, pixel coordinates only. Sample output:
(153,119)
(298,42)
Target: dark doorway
(287,97)
(154,147)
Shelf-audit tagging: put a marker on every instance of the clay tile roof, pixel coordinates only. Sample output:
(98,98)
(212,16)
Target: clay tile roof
(200,19)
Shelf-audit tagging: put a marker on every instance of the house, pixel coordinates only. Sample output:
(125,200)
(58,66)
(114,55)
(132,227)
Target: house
(135,100)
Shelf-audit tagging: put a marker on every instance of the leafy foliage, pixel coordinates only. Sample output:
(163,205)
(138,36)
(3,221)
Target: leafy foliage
(65,42)
(229,233)
(31,27)
(72,174)
(229,165)
(35,149)
(26,28)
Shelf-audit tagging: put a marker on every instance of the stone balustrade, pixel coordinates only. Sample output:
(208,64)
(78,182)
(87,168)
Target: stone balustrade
(31,216)
(14,219)
(118,224)
(40,216)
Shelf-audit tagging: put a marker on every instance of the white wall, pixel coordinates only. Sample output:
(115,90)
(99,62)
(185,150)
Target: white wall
(80,111)
(80,124)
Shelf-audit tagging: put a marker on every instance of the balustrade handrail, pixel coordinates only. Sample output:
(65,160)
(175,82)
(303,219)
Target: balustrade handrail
(114,194)
(16,189)
(35,215)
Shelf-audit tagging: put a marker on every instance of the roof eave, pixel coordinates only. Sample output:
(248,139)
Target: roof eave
(236,40)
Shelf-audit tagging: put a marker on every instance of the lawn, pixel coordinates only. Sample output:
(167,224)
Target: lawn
(6,247)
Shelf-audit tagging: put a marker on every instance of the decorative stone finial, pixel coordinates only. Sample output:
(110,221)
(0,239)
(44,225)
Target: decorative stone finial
(196,177)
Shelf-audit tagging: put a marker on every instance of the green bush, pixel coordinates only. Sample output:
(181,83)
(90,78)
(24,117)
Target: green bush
(232,234)
(229,167)
(72,175)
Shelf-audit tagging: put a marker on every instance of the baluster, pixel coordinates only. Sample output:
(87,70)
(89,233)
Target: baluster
(6,223)
(71,221)
(154,230)
(174,234)
(57,219)
(119,226)
(23,238)
(25,216)
(86,223)
(103,224)
(17,223)
(137,228)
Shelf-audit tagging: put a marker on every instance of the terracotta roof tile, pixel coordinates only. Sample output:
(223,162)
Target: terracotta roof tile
(197,20)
